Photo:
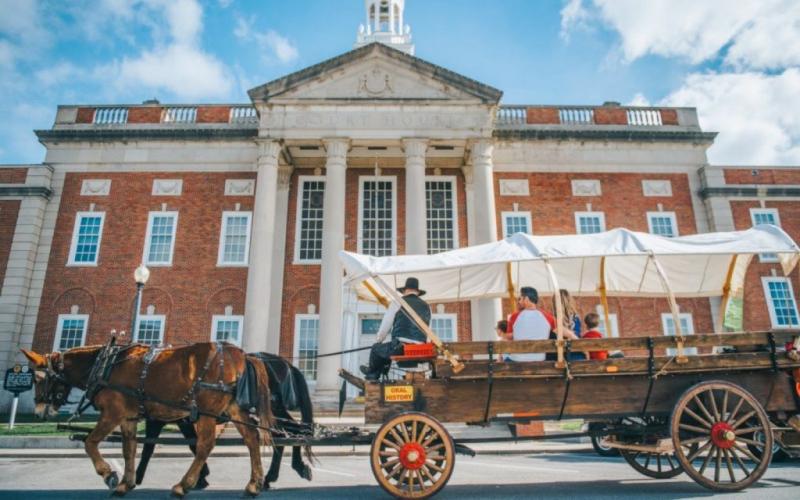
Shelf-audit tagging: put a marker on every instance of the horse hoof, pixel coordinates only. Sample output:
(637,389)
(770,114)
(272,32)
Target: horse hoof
(201,484)
(123,489)
(111,480)
(306,473)
(178,491)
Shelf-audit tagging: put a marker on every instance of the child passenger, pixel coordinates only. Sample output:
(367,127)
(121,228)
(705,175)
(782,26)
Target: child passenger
(592,321)
(503,335)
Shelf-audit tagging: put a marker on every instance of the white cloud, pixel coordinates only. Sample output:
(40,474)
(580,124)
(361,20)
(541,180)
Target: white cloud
(274,45)
(639,100)
(758,34)
(179,65)
(757,115)
(58,74)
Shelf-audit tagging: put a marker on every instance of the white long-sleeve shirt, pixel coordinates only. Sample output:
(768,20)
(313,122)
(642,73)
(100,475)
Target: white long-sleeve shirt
(387,322)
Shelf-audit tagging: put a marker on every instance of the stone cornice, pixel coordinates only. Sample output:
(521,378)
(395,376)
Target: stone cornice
(132,134)
(750,192)
(22,190)
(598,134)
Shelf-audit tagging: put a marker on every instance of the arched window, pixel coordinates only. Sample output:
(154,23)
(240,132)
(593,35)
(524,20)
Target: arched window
(384,16)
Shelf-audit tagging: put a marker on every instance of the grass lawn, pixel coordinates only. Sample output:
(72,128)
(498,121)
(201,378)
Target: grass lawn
(28,425)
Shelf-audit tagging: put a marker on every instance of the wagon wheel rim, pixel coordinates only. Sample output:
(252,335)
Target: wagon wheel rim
(412,456)
(719,419)
(651,464)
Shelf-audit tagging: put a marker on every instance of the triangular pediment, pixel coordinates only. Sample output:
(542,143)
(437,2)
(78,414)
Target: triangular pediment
(375,72)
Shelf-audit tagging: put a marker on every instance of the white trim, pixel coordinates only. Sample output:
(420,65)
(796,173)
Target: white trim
(669,215)
(296,342)
(453,318)
(216,318)
(301,181)
(75,230)
(60,328)
(600,215)
(151,317)
(765,280)
(666,317)
(363,179)
(453,180)
(525,215)
(224,226)
(149,235)
(766,257)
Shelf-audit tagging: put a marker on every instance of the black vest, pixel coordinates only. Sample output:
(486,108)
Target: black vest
(404,327)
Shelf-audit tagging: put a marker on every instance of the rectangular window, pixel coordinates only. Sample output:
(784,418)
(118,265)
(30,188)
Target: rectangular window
(306,344)
(516,222)
(160,240)
(71,331)
(150,329)
(86,238)
(687,328)
(590,222)
(227,328)
(234,239)
(444,326)
(377,213)
(765,216)
(662,224)
(308,230)
(370,324)
(781,302)
(441,218)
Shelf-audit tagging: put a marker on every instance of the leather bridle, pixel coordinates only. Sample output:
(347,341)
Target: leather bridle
(56,387)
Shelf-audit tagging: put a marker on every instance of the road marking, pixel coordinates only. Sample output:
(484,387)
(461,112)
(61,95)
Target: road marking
(522,467)
(336,473)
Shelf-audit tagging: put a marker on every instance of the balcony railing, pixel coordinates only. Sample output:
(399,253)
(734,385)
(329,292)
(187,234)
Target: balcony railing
(110,115)
(179,114)
(607,114)
(576,116)
(243,114)
(240,114)
(516,115)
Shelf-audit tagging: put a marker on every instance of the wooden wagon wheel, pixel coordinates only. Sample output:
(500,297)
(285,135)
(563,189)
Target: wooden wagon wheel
(655,465)
(412,456)
(719,419)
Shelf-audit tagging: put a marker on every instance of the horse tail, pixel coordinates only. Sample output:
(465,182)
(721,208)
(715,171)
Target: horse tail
(264,409)
(306,408)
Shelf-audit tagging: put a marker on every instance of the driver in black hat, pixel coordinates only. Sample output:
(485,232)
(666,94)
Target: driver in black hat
(402,327)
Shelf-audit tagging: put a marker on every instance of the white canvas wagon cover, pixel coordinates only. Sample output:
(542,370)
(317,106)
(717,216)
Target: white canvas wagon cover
(698,265)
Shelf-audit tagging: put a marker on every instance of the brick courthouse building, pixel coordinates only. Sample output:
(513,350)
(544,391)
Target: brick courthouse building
(239,210)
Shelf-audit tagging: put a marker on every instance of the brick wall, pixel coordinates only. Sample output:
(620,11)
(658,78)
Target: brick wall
(188,292)
(13,175)
(9,210)
(756,313)
(763,176)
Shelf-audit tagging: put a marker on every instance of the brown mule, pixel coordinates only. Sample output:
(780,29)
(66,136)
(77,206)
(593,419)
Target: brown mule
(170,378)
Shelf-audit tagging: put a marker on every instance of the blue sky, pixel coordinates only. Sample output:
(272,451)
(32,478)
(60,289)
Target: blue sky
(737,61)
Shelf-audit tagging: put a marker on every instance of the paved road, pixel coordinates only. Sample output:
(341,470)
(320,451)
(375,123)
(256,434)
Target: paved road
(564,475)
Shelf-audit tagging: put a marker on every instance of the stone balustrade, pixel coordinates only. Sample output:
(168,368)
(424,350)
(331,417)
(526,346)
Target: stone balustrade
(511,117)
(235,114)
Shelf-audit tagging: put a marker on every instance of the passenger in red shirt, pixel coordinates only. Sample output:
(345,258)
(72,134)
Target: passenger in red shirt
(513,317)
(592,320)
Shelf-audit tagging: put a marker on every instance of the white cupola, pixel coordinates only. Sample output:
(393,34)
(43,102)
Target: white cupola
(385,25)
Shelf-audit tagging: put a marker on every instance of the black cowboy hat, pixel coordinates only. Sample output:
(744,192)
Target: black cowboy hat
(412,283)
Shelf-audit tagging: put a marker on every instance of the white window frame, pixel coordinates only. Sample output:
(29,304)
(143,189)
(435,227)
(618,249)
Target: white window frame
(612,318)
(452,317)
(454,186)
(766,257)
(773,318)
(296,342)
(221,253)
(301,181)
(372,178)
(147,239)
(669,215)
(150,317)
(216,318)
(60,328)
(75,233)
(505,215)
(600,215)
(666,317)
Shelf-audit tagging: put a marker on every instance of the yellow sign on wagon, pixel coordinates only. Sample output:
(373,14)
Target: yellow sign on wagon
(398,393)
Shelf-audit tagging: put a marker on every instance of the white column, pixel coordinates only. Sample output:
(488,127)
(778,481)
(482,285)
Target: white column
(330,288)
(485,215)
(416,230)
(278,256)
(260,272)
(391,17)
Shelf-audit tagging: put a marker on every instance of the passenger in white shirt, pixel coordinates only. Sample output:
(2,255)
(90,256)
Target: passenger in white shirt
(530,324)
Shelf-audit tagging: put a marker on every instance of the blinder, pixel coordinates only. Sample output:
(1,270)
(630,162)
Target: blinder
(55,387)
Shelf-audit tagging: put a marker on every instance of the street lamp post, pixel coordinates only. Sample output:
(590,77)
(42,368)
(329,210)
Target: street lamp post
(141,275)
